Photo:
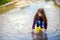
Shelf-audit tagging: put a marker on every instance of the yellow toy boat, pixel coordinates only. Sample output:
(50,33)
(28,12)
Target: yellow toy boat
(38,29)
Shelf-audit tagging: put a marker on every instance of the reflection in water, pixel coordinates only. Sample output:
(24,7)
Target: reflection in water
(40,36)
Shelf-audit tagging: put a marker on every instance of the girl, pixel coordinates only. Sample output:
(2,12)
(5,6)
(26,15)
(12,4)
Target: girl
(40,20)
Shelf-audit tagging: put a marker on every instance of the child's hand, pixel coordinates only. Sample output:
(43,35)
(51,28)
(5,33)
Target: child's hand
(32,31)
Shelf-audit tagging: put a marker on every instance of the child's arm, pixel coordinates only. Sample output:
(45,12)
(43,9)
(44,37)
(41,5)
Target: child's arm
(33,26)
(45,25)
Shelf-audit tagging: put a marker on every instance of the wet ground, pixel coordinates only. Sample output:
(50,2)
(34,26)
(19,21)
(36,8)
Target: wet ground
(16,24)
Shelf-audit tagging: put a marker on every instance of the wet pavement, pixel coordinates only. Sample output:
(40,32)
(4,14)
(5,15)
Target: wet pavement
(16,24)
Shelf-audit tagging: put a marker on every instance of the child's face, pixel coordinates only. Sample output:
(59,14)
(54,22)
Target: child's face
(39,14)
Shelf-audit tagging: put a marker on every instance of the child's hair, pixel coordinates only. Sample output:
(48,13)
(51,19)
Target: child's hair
(41,10)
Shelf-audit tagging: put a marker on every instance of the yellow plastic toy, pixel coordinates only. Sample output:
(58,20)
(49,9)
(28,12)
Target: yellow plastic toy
(38,29)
